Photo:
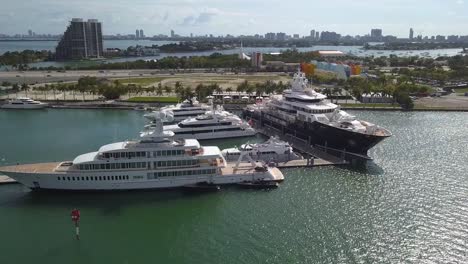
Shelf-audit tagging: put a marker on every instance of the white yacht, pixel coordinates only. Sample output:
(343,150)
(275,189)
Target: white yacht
(213,124)
(273,149)
(188,108)
(23,103)
(153,161)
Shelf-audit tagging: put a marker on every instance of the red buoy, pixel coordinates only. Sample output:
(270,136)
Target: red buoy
(75,215)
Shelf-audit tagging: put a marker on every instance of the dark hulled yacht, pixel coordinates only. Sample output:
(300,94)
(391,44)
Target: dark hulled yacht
(308,115)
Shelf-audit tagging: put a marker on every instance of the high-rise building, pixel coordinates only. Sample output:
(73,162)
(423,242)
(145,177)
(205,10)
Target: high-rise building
(172,33)
(280,36)
(330,36)
(30,33)
(137,34)
(317,35)
(270,36)
(411,33)
(257,59)
(295,36)
(142,35)
(312,34)
(82,39)
(376,33)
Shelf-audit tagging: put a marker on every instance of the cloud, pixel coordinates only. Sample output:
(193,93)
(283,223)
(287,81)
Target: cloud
(460,2)
(200,19)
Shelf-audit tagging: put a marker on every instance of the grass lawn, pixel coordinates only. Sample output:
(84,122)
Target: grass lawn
(371,105)
(154,99)
(141,81)
(461,91)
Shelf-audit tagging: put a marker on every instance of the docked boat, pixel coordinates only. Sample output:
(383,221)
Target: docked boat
(154,161)
(272,150)
(308,115)
(23,103)
(213,124)
(188,108)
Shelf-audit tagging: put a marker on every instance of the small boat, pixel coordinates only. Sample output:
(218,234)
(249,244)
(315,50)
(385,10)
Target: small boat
(24,103)
(258,185)
(273,149)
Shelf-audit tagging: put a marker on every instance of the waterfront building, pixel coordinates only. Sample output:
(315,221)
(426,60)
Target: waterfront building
(172,33)
(411,33)
(137,34)
(270,36)
(142,35)
(440,38)
(82,39)
(452,38)
(257,59)
(329,36)
(312,34)
(376,33)
(280,36)
(317,35)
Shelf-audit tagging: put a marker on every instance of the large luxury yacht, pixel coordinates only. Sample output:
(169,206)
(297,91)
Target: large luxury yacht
(309,116)
(153,161)
(188,108)
(23,103)
(213,124)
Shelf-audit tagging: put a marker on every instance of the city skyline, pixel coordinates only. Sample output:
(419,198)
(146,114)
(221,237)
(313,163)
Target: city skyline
(201,17)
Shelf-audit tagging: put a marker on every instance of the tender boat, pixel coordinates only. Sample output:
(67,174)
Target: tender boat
(272,150)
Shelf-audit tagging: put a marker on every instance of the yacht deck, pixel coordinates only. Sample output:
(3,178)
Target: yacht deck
(48,167)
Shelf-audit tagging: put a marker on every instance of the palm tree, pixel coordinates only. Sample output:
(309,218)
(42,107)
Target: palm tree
(167,89)
(15,88)
(159,90)
(229,89)
(25,87)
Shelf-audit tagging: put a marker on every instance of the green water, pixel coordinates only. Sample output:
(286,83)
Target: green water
(409,206)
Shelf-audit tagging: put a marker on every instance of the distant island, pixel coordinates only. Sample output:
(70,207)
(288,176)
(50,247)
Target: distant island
(415,46)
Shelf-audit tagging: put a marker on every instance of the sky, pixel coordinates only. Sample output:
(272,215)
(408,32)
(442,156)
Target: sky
(236,17)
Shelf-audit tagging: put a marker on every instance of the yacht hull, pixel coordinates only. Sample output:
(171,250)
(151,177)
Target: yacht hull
(136,180)
(25,106)
(322,135)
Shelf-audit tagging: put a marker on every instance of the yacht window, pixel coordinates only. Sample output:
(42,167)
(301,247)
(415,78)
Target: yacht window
(117,155)
(132,165)
(73,178)
(107,166)
(102,166)
(159,153)
(81,167)
(143,154)
(58,178)
(113,166)
(68,178)
(123,165)
(87,178)
(131,154)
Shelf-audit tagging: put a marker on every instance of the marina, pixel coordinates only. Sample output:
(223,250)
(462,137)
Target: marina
(395,198)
